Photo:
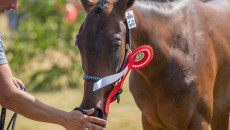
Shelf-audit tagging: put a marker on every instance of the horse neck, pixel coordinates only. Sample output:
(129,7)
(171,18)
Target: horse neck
(155,29)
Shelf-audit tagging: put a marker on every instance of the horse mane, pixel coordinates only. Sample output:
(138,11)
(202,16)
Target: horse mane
(163,7)
(162,1)
(154,5)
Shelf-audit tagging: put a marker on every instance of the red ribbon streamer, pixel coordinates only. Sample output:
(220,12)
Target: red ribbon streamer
(132,64)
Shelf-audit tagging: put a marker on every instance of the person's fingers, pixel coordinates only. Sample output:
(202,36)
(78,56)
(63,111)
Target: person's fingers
(18,80)
(91,126)
(90,111)
(94,120)
(80,128)
(16,84)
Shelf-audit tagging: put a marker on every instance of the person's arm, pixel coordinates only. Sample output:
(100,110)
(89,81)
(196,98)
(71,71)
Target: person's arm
(25,104)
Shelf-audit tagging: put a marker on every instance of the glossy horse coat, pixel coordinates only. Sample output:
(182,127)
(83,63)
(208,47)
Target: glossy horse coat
(187,84)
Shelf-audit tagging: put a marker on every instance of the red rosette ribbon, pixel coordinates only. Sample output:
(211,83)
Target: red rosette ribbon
(139,58)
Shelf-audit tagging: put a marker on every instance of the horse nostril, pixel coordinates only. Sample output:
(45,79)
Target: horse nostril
(98,113)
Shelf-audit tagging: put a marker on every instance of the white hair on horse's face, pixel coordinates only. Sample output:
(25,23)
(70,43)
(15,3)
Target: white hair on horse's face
(172,7)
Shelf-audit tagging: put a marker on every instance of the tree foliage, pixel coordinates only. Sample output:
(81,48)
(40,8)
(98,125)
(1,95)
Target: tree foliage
(43,53)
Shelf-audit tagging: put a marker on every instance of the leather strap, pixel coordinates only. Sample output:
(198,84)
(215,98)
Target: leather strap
(80,109)
(91,77)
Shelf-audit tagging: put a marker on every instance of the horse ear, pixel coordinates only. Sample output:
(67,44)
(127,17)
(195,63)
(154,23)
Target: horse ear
(130,3)
(89,4)
(124,4)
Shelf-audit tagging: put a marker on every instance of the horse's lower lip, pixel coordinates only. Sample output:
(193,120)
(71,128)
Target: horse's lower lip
(100,114)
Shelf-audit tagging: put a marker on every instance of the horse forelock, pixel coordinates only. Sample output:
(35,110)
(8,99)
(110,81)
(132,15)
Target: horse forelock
(101,5)
(163,7)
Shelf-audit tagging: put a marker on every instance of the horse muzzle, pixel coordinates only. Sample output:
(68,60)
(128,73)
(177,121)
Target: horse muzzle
(98,112)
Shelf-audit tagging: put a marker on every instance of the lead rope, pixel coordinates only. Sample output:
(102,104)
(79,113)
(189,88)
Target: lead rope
(14,117)
(3,116)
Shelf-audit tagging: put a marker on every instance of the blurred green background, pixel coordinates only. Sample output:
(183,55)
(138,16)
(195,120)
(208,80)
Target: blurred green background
(39,44)
(42,51)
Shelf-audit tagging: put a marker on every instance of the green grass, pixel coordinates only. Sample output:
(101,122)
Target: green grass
(122,116)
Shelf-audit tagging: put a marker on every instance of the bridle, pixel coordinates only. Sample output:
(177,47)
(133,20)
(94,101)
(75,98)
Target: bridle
(95,78)
(90,77)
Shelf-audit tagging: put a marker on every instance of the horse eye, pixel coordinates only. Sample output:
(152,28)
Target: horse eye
(117,42)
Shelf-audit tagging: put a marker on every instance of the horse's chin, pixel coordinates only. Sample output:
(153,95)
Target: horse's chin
(100,114)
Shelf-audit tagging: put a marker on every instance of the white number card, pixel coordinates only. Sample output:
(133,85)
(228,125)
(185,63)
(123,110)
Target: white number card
(130,19)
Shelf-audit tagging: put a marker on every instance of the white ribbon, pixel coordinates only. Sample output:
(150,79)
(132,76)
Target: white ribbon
(108,80)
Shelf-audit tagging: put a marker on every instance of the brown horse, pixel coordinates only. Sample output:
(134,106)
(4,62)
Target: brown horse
(187,84)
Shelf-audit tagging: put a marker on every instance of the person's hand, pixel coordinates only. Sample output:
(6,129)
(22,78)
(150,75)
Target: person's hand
(8,4)
(17,81)
(78,121)
(14,4)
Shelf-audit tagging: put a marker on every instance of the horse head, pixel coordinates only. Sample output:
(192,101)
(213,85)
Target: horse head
(102,44)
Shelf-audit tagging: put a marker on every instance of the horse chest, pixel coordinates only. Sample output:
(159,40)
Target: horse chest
(166,113)
(161,106)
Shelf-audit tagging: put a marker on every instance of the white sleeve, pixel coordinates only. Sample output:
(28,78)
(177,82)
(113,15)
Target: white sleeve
(3,59)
